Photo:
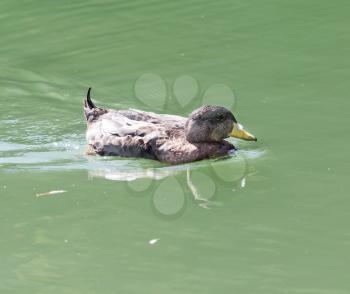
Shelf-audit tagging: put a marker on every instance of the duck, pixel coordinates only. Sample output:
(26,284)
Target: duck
(167,138)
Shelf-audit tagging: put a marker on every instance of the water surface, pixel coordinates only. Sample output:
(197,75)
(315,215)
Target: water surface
(271,218)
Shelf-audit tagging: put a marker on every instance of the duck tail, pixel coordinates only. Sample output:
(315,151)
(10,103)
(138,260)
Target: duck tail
(91,111)
(88,102)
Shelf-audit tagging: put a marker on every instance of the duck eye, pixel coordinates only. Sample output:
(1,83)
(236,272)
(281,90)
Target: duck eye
(220,117)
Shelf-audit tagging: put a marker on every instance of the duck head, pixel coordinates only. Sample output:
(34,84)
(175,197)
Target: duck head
(211,123)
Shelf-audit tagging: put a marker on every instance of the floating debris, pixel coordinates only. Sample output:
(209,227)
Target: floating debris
(153,241)
(243,183)
(50,193)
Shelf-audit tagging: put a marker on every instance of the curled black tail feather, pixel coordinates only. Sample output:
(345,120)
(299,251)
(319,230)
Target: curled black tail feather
(88,102)
(91,111)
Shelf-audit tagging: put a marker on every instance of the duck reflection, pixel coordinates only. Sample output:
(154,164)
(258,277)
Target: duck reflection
(171,188)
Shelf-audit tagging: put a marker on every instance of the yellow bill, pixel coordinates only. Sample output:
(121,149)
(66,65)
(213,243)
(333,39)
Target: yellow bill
(239,132)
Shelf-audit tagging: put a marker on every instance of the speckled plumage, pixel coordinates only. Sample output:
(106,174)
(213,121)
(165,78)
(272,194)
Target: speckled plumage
(135,133)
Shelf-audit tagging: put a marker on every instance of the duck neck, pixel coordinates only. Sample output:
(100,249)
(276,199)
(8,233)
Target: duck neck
(196,133)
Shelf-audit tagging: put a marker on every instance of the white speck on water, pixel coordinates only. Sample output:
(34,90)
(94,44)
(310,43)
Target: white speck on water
(65,241)
(153,241)
(243,183)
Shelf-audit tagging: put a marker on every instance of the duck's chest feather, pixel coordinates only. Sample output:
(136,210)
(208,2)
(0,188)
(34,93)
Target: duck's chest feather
(179,150)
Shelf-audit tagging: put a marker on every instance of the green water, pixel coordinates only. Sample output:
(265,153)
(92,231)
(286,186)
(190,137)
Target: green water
(272,218)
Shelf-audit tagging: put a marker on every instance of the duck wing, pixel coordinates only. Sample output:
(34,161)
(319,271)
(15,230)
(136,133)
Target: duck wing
(117,135)
(117,124)
(151,117)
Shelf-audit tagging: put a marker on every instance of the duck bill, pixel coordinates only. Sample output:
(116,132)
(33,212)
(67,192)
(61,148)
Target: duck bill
(240,133)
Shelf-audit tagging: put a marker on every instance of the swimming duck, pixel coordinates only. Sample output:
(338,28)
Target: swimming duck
(167,138)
